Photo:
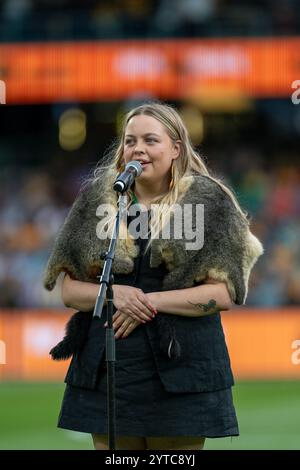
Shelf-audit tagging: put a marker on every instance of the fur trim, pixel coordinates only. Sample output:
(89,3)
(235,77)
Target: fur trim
(77,330)
(252,251)
(228,254)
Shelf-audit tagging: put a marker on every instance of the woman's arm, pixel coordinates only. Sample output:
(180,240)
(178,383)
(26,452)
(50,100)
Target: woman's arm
(79,295)
(206,299)
(130,300)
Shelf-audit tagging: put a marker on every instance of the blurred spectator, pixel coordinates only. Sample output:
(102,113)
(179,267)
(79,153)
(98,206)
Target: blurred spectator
(30,20)
(106,20)
(16,10)
(30,219)
(15,14)
(189,18)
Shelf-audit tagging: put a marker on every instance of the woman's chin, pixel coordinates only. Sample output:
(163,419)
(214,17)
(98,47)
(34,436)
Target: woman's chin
(145,176)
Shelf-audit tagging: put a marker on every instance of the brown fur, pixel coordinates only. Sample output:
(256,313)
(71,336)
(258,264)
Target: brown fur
(228,254)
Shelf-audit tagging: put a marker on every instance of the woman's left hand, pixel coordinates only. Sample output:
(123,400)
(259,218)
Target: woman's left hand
(123,324)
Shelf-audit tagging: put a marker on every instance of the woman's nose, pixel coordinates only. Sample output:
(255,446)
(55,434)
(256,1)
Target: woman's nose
(139,148)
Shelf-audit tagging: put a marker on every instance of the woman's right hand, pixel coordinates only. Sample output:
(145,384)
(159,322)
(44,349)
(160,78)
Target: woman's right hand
(133,302)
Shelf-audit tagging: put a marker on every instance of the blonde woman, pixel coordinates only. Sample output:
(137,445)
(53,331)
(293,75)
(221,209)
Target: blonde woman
(173,374)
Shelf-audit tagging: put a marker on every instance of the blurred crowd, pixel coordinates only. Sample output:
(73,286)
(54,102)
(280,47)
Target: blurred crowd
(272,200)
(32,208)
(35,20)
(35,202)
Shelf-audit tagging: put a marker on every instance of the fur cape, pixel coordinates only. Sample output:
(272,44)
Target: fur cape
(228,254)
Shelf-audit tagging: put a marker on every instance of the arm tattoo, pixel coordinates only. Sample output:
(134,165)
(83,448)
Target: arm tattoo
(210,307)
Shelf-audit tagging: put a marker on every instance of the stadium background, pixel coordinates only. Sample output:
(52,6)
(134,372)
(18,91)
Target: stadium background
(70,70)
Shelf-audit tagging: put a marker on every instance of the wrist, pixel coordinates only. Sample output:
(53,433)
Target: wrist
(154,299)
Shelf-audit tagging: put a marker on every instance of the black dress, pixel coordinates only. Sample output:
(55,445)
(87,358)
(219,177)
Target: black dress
(143,405)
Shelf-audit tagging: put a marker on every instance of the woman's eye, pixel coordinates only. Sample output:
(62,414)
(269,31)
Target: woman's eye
(148,140)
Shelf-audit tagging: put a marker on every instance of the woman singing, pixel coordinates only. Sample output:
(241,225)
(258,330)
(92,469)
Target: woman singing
(173,374)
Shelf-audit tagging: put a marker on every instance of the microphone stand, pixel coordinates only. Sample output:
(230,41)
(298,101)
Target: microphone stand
(106,292)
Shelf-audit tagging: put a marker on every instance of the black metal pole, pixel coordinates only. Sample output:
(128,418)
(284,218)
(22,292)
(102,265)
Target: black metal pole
(110,361)
(106,292)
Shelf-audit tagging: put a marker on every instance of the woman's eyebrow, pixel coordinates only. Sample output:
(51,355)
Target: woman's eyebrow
(144,135)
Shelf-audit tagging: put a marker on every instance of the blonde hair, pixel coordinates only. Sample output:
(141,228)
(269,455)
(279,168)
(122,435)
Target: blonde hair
(188,163)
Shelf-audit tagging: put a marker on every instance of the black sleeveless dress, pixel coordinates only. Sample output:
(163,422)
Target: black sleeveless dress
(143,406)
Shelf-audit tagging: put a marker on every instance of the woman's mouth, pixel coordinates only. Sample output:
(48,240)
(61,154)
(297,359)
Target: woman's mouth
(144,164)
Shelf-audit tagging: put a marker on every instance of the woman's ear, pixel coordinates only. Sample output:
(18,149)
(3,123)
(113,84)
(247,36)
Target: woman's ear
(176,149)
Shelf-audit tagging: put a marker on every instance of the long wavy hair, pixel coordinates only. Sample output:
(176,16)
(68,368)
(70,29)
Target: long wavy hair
(188,163)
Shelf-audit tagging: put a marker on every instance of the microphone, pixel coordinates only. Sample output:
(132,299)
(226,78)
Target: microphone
(124,180)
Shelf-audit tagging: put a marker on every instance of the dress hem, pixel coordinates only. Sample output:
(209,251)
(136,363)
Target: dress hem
(92,427)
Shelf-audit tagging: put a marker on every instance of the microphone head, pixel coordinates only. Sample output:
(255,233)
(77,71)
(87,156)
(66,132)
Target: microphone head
(124,181)
(136,165)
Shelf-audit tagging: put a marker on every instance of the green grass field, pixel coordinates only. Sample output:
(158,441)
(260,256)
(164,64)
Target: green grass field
(268,412)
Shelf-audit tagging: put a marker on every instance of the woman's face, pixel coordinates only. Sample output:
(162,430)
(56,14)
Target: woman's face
(147,141)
